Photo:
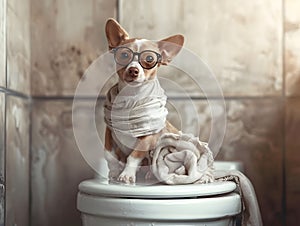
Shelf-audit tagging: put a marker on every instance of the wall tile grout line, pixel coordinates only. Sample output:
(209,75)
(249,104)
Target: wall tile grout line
(284,195)
(57,98)
(14,93)
(118,10)
(30,161)
(4,155)
(5,103)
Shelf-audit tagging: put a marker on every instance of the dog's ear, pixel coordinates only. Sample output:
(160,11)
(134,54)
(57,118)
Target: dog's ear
(170,47)
(115,34)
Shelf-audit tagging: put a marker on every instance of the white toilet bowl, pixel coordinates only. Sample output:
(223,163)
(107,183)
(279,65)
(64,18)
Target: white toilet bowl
(213,204)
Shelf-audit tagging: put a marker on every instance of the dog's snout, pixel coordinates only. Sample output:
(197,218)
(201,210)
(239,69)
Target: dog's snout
(133,71)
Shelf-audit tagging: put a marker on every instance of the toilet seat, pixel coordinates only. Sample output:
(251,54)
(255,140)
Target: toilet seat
(186,203)
(101,187)
(162,209)
(213,204)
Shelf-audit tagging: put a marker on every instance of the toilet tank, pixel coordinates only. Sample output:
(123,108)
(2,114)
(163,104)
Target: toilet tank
(229,165)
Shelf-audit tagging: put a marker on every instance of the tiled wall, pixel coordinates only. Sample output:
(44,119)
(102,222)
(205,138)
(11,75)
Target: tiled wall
(15,112)
(57,165)
(17,161)
(2,156)
(242,43)
(292,110)
(18,46)
(231,36)
(2,109)
(45,46)
(66,36)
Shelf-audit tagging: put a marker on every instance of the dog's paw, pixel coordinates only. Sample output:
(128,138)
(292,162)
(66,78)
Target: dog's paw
(114,174)
(207,178)
(127,177)
(115,167)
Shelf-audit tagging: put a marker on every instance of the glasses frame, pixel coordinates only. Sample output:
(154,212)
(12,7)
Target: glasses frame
(159,57)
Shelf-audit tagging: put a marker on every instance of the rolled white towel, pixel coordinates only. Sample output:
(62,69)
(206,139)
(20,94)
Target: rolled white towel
(182,159)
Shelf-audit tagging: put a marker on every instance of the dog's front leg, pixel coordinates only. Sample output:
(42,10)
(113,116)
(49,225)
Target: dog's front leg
(134,160)
(108,140)
(111,156)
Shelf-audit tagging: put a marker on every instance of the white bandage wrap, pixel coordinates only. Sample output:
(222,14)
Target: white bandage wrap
(135,110)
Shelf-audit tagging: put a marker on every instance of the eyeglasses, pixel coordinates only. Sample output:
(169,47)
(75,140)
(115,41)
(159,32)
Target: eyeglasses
(147,59)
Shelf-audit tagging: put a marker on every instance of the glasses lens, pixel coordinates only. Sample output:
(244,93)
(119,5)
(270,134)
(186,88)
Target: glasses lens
(123,56)
(148,59)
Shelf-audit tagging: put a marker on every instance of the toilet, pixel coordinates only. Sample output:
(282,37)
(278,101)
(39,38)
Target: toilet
(213,204)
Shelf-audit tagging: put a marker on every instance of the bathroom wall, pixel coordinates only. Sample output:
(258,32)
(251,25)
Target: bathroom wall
(292,113)
(66,36)
(242,43)
(2,109)
(253,49)
(45,46)
(15,112)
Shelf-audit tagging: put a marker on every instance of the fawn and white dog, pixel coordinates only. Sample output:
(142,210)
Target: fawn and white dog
(137,61)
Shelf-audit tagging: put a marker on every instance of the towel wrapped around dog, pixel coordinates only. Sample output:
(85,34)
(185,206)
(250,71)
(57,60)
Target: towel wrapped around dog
(182,159)
(134,111)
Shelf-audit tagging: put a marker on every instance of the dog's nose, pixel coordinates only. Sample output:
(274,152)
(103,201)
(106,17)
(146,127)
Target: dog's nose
(133,72)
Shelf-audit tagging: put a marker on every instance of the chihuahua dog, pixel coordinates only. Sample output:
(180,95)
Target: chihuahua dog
(136,61)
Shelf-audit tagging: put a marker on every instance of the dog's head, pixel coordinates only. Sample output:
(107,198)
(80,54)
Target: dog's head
(137,59)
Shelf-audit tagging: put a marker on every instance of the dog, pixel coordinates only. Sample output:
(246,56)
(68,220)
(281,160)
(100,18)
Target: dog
(137,61)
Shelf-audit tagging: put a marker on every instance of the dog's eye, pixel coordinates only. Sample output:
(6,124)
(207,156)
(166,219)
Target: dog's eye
(149,59)
(124,55)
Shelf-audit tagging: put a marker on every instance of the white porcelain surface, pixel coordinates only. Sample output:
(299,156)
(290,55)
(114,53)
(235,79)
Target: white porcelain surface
(92,220)
(161,209)
(103,188)
(229,165)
